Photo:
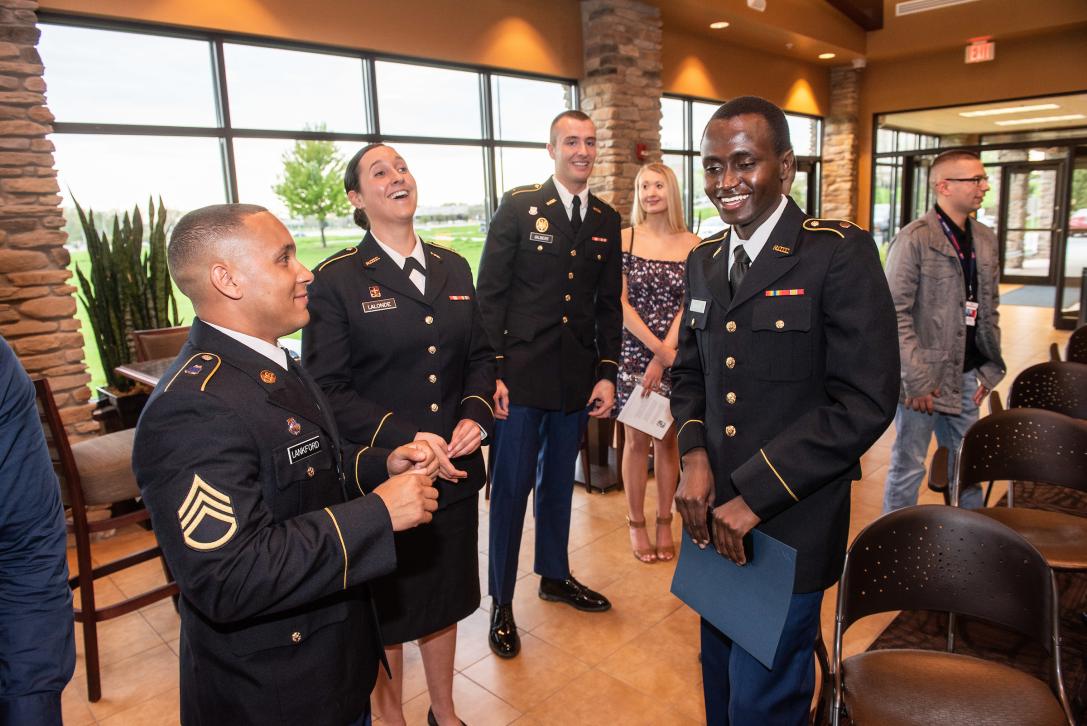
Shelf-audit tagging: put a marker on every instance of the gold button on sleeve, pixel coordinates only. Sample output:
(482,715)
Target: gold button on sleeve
(779,324)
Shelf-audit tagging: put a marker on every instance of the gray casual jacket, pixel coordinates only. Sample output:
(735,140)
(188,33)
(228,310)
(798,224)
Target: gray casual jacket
(926,281)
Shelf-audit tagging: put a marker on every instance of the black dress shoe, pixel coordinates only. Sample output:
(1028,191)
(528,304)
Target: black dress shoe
(574,594)
(431,721)
(504,640)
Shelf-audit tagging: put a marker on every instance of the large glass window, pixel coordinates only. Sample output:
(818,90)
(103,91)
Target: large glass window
(144,113)
(683,121)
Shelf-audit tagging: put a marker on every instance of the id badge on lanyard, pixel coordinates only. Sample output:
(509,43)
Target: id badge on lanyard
(971,313)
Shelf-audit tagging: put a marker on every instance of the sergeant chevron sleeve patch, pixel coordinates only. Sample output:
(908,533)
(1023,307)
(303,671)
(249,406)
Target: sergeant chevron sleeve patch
(206,517)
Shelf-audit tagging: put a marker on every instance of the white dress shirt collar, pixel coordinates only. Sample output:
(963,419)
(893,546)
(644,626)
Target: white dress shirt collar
(757,241)
(417,279)
(272,352)
(567,198)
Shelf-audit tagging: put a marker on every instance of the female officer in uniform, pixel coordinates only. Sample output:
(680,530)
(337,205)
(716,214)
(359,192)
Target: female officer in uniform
(395,341)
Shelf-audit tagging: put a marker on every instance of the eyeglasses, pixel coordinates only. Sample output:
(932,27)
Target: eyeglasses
(975,180)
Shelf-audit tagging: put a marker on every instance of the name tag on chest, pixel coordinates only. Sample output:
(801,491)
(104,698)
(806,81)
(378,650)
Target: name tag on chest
(377,306)
(304,449)
(545,238)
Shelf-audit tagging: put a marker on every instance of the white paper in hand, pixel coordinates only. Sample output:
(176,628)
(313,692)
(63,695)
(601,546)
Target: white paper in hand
(651,415)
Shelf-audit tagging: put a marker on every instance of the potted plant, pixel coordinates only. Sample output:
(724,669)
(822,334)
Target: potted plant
(128,289)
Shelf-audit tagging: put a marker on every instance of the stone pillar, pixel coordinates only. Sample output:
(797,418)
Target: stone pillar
(621,91)
(839,199)
(37,307)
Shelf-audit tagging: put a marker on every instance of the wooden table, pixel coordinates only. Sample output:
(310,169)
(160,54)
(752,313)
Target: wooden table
(147,372)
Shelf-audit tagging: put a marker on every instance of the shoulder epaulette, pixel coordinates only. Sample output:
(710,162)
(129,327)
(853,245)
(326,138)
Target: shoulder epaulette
(443,247)
(527,188)
(342,256)
(828,225)
(201,367)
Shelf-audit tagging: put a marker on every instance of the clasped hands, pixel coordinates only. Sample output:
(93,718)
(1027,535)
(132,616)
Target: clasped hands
(730,522)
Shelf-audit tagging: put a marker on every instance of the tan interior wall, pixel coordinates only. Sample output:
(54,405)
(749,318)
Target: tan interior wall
(527,35)
(696,66)
(1035,66)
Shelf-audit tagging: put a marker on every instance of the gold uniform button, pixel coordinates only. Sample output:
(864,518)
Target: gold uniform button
(573,253)
(730,362)
(432,349)
(730,326)
(296,637)
(434,408)
(539,248)
(310,472)
(730,397)
(565,320)
(432,378)
(600,258)
(429,320)
(569,276)
(567,297)
(779,324)
(730,431)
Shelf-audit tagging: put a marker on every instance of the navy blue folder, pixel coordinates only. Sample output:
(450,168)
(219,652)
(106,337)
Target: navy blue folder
(748,603)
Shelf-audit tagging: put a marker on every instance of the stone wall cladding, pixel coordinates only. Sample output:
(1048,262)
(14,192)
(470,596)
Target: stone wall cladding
(37,305)
(840,146)
(621,92)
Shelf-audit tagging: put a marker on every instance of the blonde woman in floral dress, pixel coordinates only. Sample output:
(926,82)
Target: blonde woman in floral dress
(655,247)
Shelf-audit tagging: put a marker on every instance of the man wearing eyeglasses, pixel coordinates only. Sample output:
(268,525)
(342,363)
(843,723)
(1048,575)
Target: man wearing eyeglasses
(943,271)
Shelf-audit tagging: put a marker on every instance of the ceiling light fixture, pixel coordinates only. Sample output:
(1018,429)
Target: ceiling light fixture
(1040,120)
(720,24)
(826,56)
(1008,109)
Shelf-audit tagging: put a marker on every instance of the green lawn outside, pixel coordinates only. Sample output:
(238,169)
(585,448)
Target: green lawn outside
(467,239)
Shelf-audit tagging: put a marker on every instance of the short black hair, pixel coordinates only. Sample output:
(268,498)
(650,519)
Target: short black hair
(351,181)
(774,116)
(570,113)
(196,232)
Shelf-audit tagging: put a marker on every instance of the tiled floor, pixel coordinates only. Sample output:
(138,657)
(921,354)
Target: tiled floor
(637,664)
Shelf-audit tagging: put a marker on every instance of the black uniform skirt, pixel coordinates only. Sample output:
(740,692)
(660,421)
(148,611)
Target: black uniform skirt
(436,582)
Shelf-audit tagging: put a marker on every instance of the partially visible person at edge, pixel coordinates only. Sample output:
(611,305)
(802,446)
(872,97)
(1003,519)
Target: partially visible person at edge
(395,341)
(260,519)
(785,375)
(943,270)
(37,650)
(655,247)
(549,285)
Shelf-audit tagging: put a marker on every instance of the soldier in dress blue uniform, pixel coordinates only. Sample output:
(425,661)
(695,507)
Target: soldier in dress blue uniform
(37,651)
(260,516)
(787,371)
(396,342)
(549,285)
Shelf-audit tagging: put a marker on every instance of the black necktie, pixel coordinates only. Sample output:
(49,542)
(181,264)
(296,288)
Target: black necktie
(739,269)
(410,264)
(575,215)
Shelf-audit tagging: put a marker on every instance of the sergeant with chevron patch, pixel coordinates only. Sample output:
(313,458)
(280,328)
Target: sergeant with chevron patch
(259,514)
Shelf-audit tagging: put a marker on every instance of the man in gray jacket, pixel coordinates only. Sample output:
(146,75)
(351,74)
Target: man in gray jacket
(943,271)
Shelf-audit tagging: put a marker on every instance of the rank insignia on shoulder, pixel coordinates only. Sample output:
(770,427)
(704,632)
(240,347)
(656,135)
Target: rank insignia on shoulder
(293,426)
(194,369)
(786,293)
(782,249)
(268,377)
(372,260)
(206,517)
(533,211)
(541,224)
(375,291)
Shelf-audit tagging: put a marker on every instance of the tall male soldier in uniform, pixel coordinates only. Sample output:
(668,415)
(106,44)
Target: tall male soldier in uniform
(549,284)
(786,373)
(258,514)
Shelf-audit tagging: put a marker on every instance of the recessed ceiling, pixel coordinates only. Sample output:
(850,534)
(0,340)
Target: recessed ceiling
(986,118)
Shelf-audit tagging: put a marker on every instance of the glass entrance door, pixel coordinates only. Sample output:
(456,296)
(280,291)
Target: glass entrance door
(1029,226)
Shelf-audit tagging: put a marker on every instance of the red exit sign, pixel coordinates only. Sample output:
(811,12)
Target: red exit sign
(980,51)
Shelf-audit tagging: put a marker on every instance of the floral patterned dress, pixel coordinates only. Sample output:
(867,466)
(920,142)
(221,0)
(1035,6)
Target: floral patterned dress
(655,291)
